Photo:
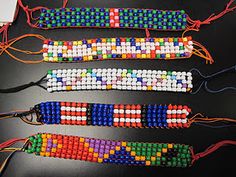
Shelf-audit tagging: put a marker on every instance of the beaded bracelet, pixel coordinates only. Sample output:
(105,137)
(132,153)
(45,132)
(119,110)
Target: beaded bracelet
(115,115)
(124,79)
(109,151)
(134,18)
(168,48)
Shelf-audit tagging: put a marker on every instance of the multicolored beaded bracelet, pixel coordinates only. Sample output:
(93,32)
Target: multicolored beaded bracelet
(114,115)
(58,80)
(134,18)
(110,151)
(168,48)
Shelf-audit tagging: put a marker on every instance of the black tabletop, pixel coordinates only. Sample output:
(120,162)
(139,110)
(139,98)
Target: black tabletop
(218,39)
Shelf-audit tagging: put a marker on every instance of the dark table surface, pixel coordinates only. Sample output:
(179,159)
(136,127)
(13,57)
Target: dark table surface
(219,38)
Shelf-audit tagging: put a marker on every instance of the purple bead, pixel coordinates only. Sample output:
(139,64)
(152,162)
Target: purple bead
(104,83)
(133,55)
(100,155)
(87,140)
(95,150)
(118,143)
(107,147)
(166,39)
(69,43)
(143,51)
(100,57)
(144,83)
(92,141)
(48,149)
(113,143)
(97,146)
(184,85)
(107,151)
(54,145)
(102,147)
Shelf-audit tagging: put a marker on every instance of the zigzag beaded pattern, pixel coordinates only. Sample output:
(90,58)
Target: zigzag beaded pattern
(118,79)
(164,20)
(109,151)
(117,48)
(117,115)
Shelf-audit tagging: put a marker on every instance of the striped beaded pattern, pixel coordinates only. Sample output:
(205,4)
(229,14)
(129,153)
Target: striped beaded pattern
(118,79)
(109,151)
(117,48)
(117,115)
(113,18)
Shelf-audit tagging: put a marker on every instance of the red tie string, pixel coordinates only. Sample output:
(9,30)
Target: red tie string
(211,149)
(196,24)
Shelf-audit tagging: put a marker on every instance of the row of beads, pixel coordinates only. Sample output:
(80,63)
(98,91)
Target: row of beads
(113,18)
(109,151)
(118,115)
(118,79)
(117,48)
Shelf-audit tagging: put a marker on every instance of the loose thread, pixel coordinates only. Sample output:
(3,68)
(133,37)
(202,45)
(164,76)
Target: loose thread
(5,46)
(25,86)
(22,114)
(211,149)
(5,147)
(205,80)
(147,33)
(64,3)
(196,24)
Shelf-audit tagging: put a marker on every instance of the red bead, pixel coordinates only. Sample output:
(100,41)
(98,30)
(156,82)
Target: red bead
(170,107)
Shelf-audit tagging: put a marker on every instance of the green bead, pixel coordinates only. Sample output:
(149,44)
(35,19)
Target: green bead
(89,70)
(158,163)
(63,20)
(38,149)
(145,26)
(153,162)
(135,10)
(125,10)
(173,12)
(97,10)
(126,25)
(163,12)
(126,18)
(144,11)
(163,159)
(182,12)
(70,59)
(184,19)
(148,158)
(169,164)
(138,153)
(72,13)
(129,70)
(109,56)
(136,25)
(102,13)
(107,10)
(149,15)
(143,153)
(68,17)
(82,13)
(40,21)
(82,20)
(164,27)
(169,16)
(169,24)
(130,14)
(49,71)
(73,20)
(29,151)
(78,24)
(107,17)
(92,13)
(183,27)
(87,17)
(174,27)
(107,24)
(87,24)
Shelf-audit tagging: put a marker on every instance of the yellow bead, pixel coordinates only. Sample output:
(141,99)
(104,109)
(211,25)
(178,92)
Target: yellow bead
(142,40)
(55,59)
(143,56)
(112,152)
(68,88)
(42,153)
(83,74)
(161,40)
(75,43)
(185,39)
(106,156)
(142,158)
(55,43)
(149,87)
(44,144)
(163,76)
(148,55)
(54,141)
(86,145)
(123,143)
(100,160)
(170,146)
(158,154)
(90,149)
(44,135)
(148,163)
(109,87)
(45,140)
(153,158)
(167,55)
(45,58)
(54,150)
(133,153)
(117,148)
(124,56)
(123,74)
(47,154)
(43,149)
(81,140)
(95,155)
(113,39)
(80,42)
(49,136)
(85,58)
(128,149)
(104,56)
(59,146)
(90,58)
(138,55)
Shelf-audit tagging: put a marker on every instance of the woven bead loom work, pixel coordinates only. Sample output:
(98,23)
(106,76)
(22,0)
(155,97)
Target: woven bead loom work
(118,79)
(109,151)
(117,48)
(117,115)
(113,18)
